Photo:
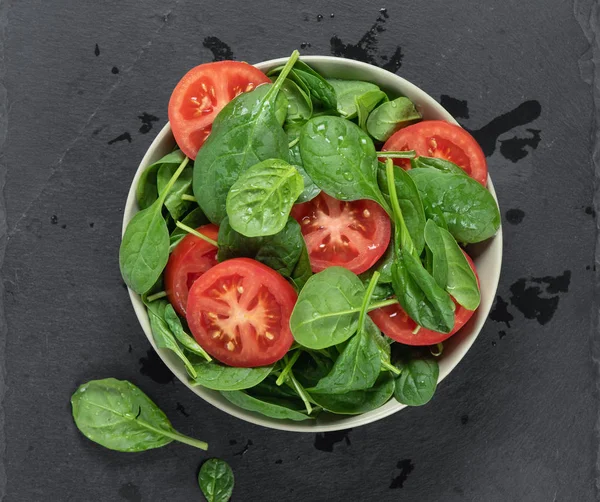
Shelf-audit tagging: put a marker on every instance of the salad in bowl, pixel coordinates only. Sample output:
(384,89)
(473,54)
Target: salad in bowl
(310,244)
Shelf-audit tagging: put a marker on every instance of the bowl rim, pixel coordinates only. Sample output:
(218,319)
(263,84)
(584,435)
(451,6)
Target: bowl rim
(340,422)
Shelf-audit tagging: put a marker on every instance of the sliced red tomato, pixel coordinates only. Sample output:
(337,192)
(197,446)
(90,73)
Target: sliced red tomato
(436,138)
(396,324)
(239,312)
(353,234)
(188,261)
(202,93)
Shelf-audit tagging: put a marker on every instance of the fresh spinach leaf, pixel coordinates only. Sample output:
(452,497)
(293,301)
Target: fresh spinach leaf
(144,250)
(340,158)
(147,190)
(260,201)
(302,271)
(450,267)
(383,266)
(347,91)
(311,367)
(327,309)
(436,163)
(175,326)
(433,212)
(319,89)
(365,104)
(193,219)
(176,206)
(216,480)
(410,203)
(300,107)
(244,133)
(417,381)
(390,117)
(469,209)
(219,377)
(358,401)
(250,403)
(119,416)
(310,189)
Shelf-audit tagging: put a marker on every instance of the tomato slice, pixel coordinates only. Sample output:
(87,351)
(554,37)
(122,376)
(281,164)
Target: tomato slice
(353,234)
(436,138)
(239,312)
(394,322)
(202,93)
(189,260)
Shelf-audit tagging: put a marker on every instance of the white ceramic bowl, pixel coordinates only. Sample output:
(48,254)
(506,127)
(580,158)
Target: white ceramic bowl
(487,255)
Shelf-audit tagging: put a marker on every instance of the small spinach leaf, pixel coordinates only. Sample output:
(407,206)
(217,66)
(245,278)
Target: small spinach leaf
(260,201)
(147,191)
(390,117)
(188,343)
(318,88)
(417,382)
(220,377)
(176,206)
(119,416)
(365,103)
(250,403)
(302,271)
(193,219)
(300,107)
(310,189)
(347,91)
(436,163)
(216,480)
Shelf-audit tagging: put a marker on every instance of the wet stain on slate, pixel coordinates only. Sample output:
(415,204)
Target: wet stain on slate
(232,442)
(458,108)
(147,120)
(63,226)
(515,216)
(514,150)
(406,467)
(221,51)
(304,45)
(591,211)
(122,137)
(537,297)
(91,224)
(279,461)
(130,349)
(181,410)
(500,313)
(53,219)
(114,70)
(96,50)
(367,48)
(319,18)
(464,419)
(130,492)
(244,450)
(326,440)
(153,367)
(501,334)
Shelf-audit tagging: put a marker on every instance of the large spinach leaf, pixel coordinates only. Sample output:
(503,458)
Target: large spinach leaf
(390,117)
(119,416)
(216,480)
(260,201)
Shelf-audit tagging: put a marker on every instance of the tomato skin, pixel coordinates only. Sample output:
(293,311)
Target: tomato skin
(239,312)
(190,259)
(395,323)
(202,93)
(436,138)
(352,234)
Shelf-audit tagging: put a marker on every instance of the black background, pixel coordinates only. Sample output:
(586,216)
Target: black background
(85,87)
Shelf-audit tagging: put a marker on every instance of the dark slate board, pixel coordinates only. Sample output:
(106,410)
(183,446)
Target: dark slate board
(85,89)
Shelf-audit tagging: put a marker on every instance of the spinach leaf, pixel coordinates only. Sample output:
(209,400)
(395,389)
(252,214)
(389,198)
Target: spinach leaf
(174,324)
(244,133)
(302,271)
(365,103)
(417,382)
(144,250)
(347,91)
(163,337)
(390,117)
(260,201)
(319,89)
(340,158)
(119,416)
(282,252)
(311,367)
(410,202)
(147,191)
(219,377)
(436,163)
(193,219)
(310,189)
(383,266)
(327,309)
(469,210)
(433,212)
(216,480)
(450,267)
(419,294)
(176,206)
(247,402)
(358,401)
(300,107)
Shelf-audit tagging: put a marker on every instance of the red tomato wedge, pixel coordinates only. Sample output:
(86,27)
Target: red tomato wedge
(202,93)
(239,312)
(396,324)
(189,260)
(436,138)
(353,234)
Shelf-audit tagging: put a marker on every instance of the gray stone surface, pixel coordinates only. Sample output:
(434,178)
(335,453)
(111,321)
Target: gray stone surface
(514,422)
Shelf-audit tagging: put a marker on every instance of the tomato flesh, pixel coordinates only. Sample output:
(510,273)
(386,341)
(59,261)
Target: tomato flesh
(394,322)
(191,258)
(239,312)
(353,234)
(202,93)
(436,138)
